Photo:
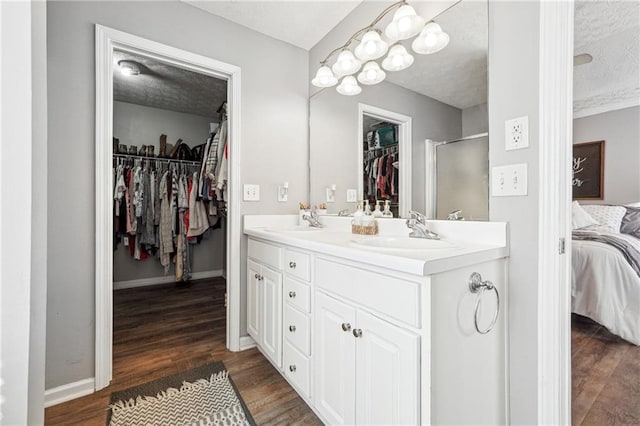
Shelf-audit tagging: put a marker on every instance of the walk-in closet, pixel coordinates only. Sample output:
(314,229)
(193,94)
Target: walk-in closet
(170,182)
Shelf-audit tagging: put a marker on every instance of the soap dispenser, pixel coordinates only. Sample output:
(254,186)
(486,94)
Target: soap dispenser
(358,215)
(387,209)
(367,219)
(377,212)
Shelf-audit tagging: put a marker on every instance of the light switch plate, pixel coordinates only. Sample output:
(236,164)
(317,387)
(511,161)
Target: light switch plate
(516,133)
(352,195)
(251,192)
(283,194)
(331,197)
(509,180)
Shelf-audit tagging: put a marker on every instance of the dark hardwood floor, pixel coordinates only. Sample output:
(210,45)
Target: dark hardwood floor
(163,330)
(605,376)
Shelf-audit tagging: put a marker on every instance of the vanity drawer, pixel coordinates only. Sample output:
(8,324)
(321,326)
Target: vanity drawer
(265,253)
(297,368)
(297,329)
(386,294)
(297,264)
(297,294)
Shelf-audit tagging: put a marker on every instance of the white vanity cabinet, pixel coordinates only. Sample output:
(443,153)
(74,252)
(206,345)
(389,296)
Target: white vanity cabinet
(367,337)
(367,370)
(264,298)
(297,320)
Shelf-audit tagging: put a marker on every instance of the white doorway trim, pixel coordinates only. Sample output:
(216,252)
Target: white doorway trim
(108,39)
(554,268)
(404,145)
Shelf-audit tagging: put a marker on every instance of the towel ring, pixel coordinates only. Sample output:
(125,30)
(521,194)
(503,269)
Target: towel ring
(476,285)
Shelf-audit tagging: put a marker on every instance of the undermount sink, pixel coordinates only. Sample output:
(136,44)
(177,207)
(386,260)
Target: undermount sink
(403,243)
(293,229)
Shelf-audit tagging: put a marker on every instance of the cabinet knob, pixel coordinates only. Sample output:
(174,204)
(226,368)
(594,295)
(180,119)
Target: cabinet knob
(256,276)
(292,328)
(292,368)
(292,294)
(346,326)
(261,277)
(292,265)
(357,332)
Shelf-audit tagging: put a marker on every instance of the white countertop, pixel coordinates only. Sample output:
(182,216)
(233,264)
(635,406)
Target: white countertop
(468,242)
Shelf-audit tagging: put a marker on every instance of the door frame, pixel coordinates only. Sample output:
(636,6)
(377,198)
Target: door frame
(108,39)
(404,147)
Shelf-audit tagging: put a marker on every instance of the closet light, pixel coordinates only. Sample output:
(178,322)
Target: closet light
(128,67)
(349,86)
(371,74)
(405,24)
(397,59)
(371,46)
(346,64)
(324,78)
(431,39)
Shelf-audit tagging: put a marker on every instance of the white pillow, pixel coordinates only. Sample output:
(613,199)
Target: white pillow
(633,205)
(608,216)
(581,218)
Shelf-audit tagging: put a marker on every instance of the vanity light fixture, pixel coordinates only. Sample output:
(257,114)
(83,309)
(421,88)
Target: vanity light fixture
(431,39)
(349,86)
(371,73)
(397,59)
(128,67)
(406,23)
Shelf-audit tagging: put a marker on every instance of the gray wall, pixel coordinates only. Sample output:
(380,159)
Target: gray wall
(334,137)
(621,132)
(514,31)
(475,120)
(274,137)
(142,125)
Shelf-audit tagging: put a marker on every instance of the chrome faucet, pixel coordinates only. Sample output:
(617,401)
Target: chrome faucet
(313,219)
(455,215)
(417,222)
(344,212)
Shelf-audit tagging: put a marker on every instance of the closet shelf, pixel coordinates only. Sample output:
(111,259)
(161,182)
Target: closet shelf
(161,159)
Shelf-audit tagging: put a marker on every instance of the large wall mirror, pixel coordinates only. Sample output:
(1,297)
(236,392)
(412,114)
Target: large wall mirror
(445,97)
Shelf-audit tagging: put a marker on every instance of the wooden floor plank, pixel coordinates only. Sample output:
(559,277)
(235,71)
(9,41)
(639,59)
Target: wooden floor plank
(605,376)
(163,330)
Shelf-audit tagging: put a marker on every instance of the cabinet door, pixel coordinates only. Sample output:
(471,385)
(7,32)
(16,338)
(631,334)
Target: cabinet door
(387,373)
(334,360)
(253,300)
(271,314)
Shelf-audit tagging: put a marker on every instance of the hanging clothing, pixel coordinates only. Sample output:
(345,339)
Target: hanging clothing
(165,232)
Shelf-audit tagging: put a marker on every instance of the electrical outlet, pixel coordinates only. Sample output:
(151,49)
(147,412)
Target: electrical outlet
(509,180)
(352,195)
(516,133)
(251,192)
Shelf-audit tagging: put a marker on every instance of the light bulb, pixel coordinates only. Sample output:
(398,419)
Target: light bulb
(349,86)
(324,78)
(371,73)
(371,47)
(431,39)
(346,64)
(398,59)
(405,24)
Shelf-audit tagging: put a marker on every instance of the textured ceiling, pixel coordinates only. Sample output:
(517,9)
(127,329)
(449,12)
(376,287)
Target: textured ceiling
(298,22)
(164,86)
(610,32)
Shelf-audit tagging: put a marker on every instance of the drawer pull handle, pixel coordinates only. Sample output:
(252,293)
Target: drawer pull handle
(476,285)
(292,368)
(346,326)
(357,332)
(292,265)
(292,294)
(292,328)
(256,276)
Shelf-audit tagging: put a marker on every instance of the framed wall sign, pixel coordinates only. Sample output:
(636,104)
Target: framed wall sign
(588,171)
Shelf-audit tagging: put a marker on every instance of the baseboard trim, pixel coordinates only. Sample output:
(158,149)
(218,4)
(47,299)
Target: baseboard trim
(69,391)
(120,285)
(247,342)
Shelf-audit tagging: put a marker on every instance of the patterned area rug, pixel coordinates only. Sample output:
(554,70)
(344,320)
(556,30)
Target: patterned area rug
(202,396)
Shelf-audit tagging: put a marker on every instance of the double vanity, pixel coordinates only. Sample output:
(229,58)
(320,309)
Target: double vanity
(383,329)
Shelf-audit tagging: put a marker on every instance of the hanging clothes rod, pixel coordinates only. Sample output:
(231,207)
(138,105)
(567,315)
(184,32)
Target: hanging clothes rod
(466,138)
(166,160)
